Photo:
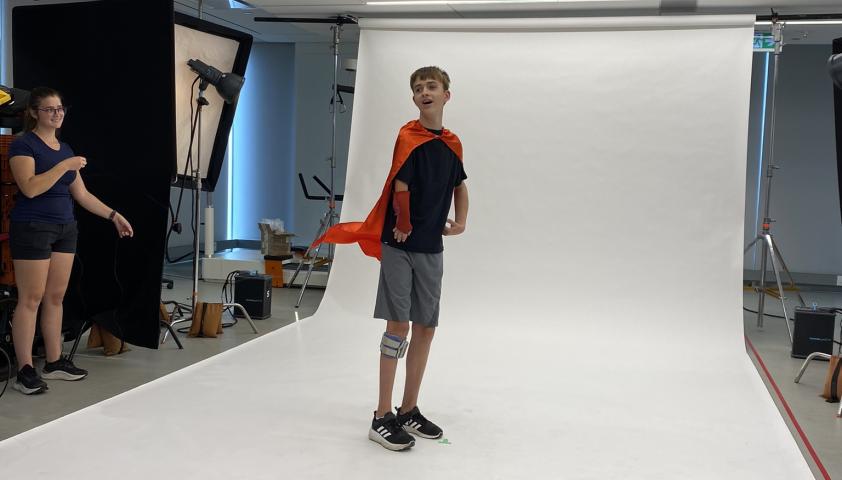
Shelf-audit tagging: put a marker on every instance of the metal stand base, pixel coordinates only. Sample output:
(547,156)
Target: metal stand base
(771,249)
(244,312)
(88,324)
(807,361)
(190,319)
(311,256)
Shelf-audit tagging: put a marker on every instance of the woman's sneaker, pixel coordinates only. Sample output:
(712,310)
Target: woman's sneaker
(388,433)
(28,382)
(63,369)
(416,424)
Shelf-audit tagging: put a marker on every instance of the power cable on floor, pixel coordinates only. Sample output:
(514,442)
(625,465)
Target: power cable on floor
(767,314)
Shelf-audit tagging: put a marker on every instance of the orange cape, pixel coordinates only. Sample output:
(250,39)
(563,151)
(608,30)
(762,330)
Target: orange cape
(368,233)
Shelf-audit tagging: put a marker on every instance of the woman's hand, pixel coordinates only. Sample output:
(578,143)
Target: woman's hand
(75,163)
(124,228)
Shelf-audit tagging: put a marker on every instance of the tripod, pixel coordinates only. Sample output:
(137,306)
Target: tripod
(327,220)
(330,217)
(764,238)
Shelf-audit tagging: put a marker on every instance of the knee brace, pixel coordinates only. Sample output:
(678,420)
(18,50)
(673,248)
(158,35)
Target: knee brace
(393,346)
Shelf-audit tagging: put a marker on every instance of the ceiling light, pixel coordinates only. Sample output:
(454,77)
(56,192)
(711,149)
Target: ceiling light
(457,2)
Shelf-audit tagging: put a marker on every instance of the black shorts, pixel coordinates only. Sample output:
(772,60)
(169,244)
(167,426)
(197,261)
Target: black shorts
(37,241)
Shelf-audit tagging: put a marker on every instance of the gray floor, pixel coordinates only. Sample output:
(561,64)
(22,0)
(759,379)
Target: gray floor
(113,375)
(816,417)
(110,376)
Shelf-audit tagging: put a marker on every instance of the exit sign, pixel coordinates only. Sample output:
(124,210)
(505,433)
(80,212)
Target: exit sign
(763,42)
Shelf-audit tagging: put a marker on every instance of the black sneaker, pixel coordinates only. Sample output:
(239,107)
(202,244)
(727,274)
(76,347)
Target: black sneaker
(416,424)
(388,433)
(28,381)
(63,369)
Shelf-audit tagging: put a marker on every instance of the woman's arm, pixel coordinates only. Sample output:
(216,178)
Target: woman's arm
(89,202)
(31,185)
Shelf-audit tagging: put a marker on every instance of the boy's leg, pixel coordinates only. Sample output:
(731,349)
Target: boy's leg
(409,417)
(425,297)
(416,363)
(388,367)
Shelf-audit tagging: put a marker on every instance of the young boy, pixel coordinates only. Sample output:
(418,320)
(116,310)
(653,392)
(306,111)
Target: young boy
(405,231)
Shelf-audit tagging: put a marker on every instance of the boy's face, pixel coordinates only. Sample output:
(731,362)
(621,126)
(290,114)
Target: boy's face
(429,95)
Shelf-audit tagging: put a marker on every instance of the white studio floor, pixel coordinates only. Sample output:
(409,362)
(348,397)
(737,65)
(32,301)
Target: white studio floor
(516,403)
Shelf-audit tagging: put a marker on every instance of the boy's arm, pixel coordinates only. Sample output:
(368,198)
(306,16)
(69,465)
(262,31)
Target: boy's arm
(460,204)
(400,197)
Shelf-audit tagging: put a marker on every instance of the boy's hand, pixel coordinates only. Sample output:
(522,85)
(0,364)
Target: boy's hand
(400,236)
(453,228)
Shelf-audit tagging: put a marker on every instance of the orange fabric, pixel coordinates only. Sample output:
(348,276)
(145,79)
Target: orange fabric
(367,233)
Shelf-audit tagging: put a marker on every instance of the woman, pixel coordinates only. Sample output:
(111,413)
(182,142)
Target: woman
(43,235)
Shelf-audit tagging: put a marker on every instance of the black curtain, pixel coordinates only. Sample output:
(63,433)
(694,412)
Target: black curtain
(113,62)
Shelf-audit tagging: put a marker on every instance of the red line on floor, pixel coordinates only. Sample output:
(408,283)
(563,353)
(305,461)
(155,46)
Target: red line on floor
(788,411)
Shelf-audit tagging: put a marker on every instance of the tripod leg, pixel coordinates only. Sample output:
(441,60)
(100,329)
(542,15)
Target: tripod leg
(807,361)
(244,312)
(85,325)
(788,273)
(761,299)
(753,243)
(772,256)
(322,229)
(307,279)
(171,332)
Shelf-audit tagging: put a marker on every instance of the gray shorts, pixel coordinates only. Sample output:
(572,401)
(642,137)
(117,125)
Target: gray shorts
(410,287)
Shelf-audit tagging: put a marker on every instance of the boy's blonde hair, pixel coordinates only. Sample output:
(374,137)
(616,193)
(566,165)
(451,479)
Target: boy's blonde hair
(434,73)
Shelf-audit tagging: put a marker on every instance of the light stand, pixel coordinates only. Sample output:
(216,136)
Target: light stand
(770,250)
(201,101)
(228,85)
(330,218)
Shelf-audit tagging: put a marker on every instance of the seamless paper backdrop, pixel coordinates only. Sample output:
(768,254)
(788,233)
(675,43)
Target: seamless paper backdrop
(602,261)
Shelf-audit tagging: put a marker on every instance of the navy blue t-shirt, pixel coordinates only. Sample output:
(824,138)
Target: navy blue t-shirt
(432,171)
(56,204)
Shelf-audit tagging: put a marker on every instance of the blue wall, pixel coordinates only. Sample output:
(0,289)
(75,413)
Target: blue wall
(263,142)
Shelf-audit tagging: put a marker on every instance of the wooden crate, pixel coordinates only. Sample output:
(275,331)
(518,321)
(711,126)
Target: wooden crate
(7,201)
(8,189)
(5,170)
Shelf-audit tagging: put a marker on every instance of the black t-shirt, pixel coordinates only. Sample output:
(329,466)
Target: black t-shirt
(432,171)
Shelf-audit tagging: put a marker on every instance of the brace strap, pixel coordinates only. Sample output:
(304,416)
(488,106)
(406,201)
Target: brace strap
(393,346)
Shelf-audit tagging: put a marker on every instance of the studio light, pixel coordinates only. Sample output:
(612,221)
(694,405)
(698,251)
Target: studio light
(12,103)
(834,68)
(227,84)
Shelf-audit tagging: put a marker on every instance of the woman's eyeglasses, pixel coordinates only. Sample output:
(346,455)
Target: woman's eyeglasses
(54,110)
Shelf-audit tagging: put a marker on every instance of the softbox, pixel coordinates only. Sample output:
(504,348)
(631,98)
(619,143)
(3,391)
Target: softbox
(226,50)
